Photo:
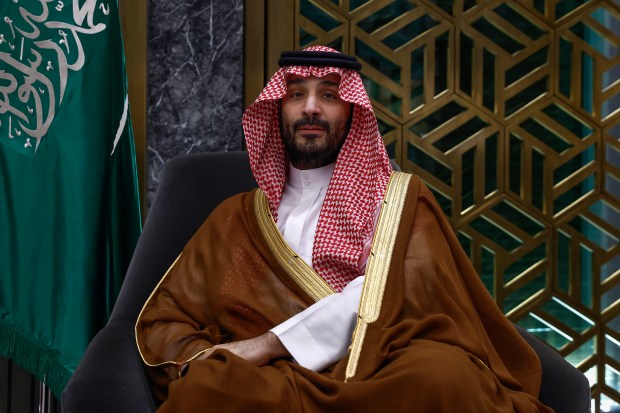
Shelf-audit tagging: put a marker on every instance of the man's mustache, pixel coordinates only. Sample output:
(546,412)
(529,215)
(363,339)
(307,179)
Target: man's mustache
(311,122)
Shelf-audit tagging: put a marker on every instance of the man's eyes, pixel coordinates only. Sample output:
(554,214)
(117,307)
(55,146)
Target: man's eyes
(326,95)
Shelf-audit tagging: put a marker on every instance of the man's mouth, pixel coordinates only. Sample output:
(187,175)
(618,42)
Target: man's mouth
(311,126)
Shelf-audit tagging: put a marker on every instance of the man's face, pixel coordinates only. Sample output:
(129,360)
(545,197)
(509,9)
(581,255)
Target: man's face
(314,120)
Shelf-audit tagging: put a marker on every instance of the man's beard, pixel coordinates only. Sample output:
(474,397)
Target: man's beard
(311,154)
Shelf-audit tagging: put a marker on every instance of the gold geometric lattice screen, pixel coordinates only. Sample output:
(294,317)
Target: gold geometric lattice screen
(509,111)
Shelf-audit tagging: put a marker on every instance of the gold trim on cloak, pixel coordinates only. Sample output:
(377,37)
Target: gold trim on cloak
(176,363)
(378,265)
(309,281)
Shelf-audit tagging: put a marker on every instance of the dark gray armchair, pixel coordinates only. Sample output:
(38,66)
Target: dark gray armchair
(111,377)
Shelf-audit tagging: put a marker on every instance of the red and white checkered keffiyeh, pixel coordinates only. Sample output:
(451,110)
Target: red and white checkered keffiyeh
(359,181)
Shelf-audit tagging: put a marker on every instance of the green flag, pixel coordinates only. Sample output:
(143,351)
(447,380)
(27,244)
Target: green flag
(69,213)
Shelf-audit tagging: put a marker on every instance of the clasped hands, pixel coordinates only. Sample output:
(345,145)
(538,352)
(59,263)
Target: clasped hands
(258,350)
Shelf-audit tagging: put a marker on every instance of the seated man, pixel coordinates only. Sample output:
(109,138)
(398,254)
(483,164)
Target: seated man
(338,286)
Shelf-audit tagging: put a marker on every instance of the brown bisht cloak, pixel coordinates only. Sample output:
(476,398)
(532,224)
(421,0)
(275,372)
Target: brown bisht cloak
(429,337)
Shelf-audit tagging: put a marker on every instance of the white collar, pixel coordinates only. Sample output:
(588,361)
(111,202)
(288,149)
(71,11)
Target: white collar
(310,178)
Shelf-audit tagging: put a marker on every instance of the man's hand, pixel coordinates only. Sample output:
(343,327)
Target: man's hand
(259,350)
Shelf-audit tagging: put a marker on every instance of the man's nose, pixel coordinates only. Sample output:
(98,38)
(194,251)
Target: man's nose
(312,107)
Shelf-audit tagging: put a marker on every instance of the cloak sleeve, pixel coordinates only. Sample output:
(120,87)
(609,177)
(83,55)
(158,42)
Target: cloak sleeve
(225,286)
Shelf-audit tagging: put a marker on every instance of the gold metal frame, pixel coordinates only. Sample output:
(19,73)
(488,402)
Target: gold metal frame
(133,21)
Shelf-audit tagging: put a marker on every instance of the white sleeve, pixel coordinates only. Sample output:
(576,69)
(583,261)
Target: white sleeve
(321,334)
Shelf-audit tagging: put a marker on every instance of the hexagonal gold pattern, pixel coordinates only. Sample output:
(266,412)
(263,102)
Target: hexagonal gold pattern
(510,112)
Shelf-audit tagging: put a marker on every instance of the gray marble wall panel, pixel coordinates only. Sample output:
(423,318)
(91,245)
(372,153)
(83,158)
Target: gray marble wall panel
(195,80)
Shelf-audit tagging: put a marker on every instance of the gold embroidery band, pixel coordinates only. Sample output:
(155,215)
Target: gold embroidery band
(295,266)
(378,264)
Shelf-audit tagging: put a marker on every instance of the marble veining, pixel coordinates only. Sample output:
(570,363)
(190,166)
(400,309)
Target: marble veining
(195,79)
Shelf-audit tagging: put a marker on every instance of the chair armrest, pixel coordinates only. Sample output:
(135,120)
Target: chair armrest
(564,388)
(110,377)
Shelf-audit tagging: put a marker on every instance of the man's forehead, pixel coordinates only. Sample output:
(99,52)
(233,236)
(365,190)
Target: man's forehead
(330,78)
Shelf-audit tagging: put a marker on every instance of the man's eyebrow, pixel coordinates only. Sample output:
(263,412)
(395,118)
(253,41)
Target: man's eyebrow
(323,83)
(295,81)
(330,83)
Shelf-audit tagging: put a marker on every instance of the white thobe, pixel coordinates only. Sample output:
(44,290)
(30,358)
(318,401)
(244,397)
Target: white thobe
(321,334)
